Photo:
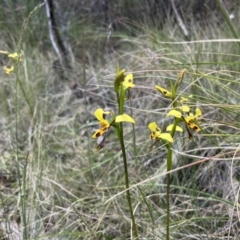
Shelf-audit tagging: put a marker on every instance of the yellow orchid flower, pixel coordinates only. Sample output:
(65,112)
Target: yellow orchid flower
(192,120)
(128,81)
(8,70)
(156,133)
(191,117)
(184,109)
(164,92)
(179,114)
(101,133)
(15,56)
(104,124)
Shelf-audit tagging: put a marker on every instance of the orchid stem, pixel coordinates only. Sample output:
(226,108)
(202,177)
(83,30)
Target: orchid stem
(121,98)
(169,168)
(169,159)
(128,195)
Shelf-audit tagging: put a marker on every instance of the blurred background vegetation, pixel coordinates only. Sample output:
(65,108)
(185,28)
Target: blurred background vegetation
(53,184)
(131,17)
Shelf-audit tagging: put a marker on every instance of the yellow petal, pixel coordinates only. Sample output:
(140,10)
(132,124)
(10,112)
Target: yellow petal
(175,113)
(189,119)
(99,133)
(169,128)
(8,70)
(198,112)
(179,129)
(165,92)
(185,108)
(155,135)
(194,127)
(166,136)
(99,114)
(152,126)
(124,118)
(128,81)
(104,124)
(155,130)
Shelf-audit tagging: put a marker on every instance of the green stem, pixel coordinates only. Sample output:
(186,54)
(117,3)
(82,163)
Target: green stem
(169,168)
(25,95)
(121,140)
(21,181)
(121,98)
(169,159)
